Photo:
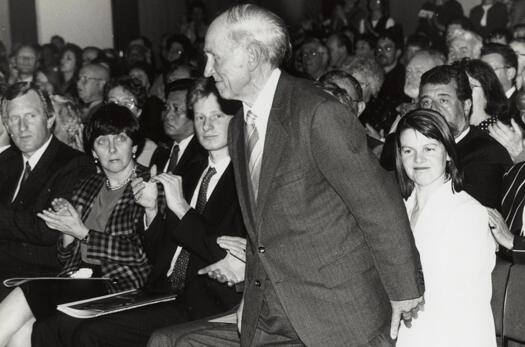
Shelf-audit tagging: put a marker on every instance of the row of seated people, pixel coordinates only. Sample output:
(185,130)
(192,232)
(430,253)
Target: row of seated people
(117,222)
(444,82)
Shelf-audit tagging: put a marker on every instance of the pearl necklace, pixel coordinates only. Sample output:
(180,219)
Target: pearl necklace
(126,181)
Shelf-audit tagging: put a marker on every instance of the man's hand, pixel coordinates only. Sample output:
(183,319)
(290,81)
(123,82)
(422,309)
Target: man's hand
(405,310)
(145,194)
(174,194)
(67,221)
(499,229)
(229,269)
(510,137)
(235,245)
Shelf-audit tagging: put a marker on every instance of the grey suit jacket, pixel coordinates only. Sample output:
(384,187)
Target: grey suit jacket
(329,227)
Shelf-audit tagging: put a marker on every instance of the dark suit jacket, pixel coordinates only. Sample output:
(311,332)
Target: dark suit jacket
(513,200)
(198,234)
(481,158)
(483,161)
(496,18)
(25,241)
(189,164)
(333,258)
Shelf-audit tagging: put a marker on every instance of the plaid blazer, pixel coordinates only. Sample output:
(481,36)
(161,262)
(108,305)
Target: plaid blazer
(119,246)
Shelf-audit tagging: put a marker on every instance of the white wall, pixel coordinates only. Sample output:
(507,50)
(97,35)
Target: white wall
(83,22)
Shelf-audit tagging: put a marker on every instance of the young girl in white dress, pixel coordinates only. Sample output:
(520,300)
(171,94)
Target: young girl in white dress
(452,236)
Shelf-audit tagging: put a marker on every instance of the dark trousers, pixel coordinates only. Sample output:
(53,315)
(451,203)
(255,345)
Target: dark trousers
(128,328)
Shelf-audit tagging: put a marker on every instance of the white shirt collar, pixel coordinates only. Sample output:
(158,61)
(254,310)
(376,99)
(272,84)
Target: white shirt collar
(34,159)
(182,147)
(509,92)
(3,148)
(462,135)
(219,166)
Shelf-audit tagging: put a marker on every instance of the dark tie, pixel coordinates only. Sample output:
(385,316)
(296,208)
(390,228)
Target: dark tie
(25,176)
(173,159)
(178,276)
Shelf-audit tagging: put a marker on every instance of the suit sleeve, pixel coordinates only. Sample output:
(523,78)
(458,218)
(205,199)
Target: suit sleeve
(518,251)
(200,237)
(339,150)
(23,225)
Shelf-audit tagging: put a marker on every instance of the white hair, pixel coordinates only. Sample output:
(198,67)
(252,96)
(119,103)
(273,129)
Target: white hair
(252,25)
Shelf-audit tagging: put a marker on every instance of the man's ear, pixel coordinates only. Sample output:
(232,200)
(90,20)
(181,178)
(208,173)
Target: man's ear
(255,55)
(511,73)
(50,122)
(467,107)
(360,108)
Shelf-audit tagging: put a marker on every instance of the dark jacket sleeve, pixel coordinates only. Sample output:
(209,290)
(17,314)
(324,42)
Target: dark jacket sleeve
(22,224)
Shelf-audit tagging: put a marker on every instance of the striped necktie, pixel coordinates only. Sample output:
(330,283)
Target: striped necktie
(253,150)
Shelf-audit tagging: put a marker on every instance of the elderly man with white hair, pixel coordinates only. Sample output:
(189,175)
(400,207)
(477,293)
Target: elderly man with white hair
(324,265)
(463,44)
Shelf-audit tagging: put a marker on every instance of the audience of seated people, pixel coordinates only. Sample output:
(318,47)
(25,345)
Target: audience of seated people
(470,70)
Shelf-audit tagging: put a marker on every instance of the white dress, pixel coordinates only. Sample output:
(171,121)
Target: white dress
(457,254)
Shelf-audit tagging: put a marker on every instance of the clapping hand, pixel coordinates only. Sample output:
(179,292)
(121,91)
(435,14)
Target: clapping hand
(146,193)
(235,245)
(231,268)
(510,137)
(174,194)
(499,229)
(404,310)
(64,218)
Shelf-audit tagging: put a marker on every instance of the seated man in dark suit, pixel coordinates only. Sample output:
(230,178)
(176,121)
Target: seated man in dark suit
(178,243)
(37,169)
(446,89)
(186,150)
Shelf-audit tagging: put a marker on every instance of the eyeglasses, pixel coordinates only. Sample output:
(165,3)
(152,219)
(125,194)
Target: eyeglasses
(128,103)
(386,49)
(84,79)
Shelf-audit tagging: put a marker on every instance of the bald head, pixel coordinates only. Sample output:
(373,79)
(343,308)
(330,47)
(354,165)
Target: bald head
(91,81)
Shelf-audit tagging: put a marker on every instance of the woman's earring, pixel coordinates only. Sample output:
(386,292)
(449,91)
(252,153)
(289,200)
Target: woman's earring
(134,155)
(96,161)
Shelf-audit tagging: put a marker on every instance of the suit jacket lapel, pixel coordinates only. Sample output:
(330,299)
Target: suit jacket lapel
(41,172)
(274,142)
(240,169)
(12,167)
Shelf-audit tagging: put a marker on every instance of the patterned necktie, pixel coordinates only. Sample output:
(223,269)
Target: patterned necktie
(174,157)
(178,276)
(253,150)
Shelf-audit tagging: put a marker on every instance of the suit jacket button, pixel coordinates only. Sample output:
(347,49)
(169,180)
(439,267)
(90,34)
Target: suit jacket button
(261,249)
(257,283)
